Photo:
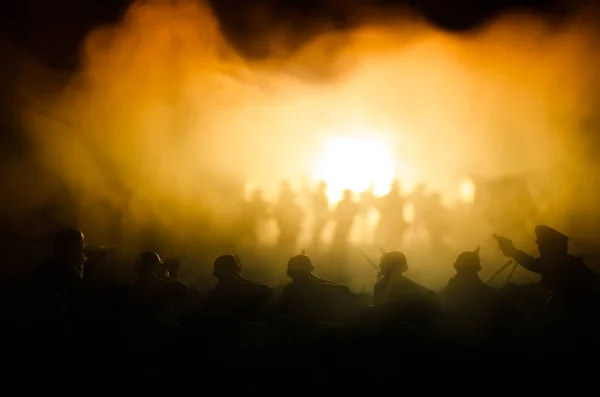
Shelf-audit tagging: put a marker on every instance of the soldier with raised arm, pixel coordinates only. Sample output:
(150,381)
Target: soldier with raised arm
(569,282)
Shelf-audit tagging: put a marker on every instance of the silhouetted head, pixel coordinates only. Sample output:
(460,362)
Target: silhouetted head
(227,267)
(468,261)
(285,186)
(348,195)
(550,242)
(285,192)
(393,261)
(150,263)
(69,246)
(257,194)
(395,187)
(300,267)
(321,186)
(435,197)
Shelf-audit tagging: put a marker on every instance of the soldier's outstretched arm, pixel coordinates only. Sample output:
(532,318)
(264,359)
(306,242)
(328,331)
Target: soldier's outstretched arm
(527,261)
(508,249)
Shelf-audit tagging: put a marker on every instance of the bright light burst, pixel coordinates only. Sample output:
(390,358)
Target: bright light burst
(355,163)
(467,190)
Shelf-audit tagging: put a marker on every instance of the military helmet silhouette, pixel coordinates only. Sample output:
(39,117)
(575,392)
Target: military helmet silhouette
(149,262)
(393,260)
(69,240)
(300,263)
(468,260)
(227,265)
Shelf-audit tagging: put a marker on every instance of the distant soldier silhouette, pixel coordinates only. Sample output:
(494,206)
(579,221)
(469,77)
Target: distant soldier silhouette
(345,214)
(419,199)
(435,219)
(320,208)
(366,202)
(309,298)
(234,295)
(392,225)
(289,216)
(254,212)
(572,295)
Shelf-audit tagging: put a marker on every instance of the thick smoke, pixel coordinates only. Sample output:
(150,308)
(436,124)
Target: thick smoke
(166,121)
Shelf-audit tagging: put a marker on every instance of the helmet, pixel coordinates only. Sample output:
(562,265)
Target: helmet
(227,265)
(149,262)
(300,263)
(393,260)
(468,260)
(69,240)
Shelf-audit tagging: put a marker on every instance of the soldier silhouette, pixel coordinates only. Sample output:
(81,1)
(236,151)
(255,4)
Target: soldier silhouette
(392,287)
(435,220)
(58,278)
(288,215)
(392,225)
(154,289)
(320,207)
(155,305)
(309,298)
(471,305)
(255,211)
(465,291)
(396,295)
(571,286)
(234,295)
(345,213)
(466,286)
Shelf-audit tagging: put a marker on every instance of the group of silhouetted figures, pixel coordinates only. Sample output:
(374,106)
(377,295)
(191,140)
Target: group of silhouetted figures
(311,321)
(290,216)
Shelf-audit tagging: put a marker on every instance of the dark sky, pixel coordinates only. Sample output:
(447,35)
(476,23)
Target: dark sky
(53,29)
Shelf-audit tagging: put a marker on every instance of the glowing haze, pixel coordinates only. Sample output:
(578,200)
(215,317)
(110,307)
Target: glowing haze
(355,163)
(164,110)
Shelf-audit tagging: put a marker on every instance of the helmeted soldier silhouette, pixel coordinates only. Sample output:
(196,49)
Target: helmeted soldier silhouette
(401,298)
(466,285)
(310,298)
(234,295)
(392,287)
(154,289)
(466,297)
(466,280)
(155,305)
(59,278)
